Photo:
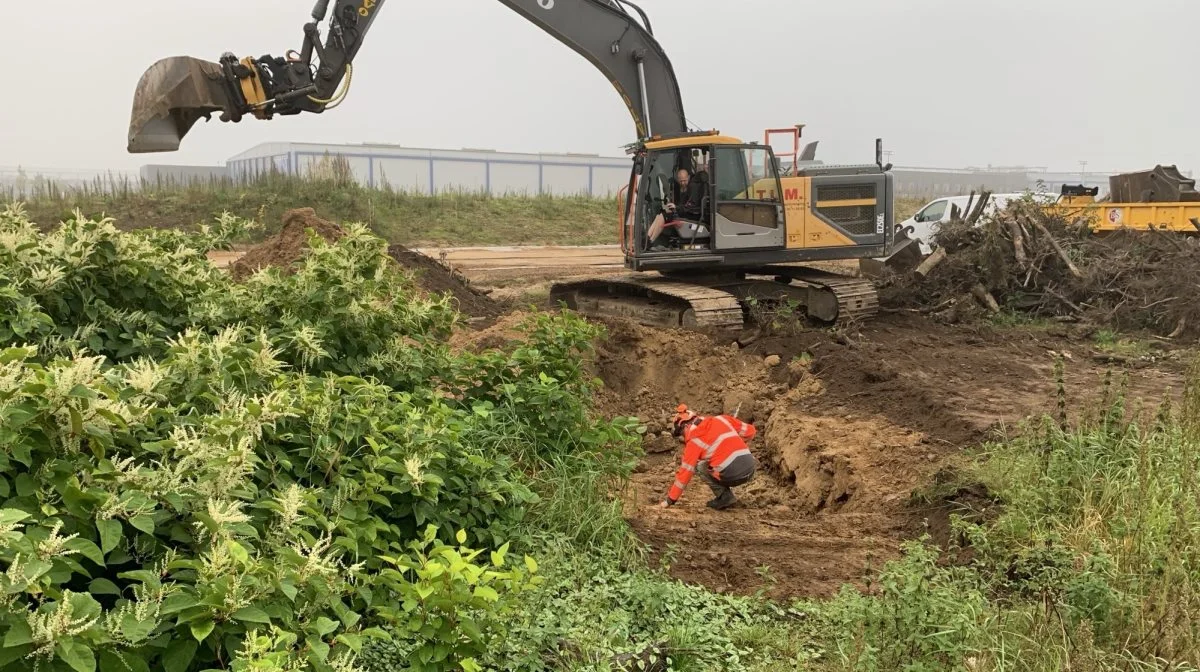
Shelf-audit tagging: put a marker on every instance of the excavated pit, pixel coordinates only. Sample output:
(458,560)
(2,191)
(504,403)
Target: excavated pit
(851,426)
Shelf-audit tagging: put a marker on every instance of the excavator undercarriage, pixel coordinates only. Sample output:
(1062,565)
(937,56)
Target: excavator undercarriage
(722,301)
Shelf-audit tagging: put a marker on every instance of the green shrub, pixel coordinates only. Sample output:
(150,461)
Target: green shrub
(238,485)
(918,616)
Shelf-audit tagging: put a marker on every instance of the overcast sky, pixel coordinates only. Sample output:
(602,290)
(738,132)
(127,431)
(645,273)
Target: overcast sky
(944,82)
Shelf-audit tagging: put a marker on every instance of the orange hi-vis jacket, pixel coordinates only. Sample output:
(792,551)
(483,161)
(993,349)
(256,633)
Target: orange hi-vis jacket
(717,439)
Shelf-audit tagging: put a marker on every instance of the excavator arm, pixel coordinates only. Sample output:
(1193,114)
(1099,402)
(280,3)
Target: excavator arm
(178,91)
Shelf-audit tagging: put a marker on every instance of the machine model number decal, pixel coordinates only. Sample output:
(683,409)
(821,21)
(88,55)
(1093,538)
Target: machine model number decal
(546,4)
(367,6)
(879,224)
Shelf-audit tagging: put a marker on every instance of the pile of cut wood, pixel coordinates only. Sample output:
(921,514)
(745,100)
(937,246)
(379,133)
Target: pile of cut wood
(1030,260)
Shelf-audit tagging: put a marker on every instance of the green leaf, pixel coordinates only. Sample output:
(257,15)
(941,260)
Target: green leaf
(84,607)
(531,564)
(177,602)
(179,655)
(351,640)
(77,655)
(498,555)
(16,653)
(144,522)
(103,586)
(461,536)
(239,552)
(18,634)
(320,649)
(110,534)
(202,629)
(252,615)
(13,354)
(113,661)
(82,391)
(23,453)
(10,516)
(76,423)
(25,485)
(87,549)
(324,626)
(486,593)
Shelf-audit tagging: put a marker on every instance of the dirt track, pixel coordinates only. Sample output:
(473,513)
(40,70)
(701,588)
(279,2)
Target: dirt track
(501,258)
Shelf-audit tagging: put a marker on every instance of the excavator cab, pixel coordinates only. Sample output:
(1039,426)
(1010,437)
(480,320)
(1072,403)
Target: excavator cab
(740,208)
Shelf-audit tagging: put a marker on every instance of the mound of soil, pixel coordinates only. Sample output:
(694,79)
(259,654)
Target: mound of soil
(283,250)
(437,279)
(502,335)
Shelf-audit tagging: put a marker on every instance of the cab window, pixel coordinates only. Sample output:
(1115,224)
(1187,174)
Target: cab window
(745,173)
(932,212)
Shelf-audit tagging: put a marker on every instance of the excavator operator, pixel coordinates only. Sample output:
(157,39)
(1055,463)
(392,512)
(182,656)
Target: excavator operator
(716,446)
(687,196)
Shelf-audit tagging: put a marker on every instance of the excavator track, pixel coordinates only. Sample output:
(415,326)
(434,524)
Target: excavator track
(720,302)
(857,298)
(656,300)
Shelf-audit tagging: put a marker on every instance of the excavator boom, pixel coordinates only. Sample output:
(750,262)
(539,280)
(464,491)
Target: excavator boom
(176,92)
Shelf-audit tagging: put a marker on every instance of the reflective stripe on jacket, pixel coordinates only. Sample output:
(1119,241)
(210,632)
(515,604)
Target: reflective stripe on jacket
(717,439)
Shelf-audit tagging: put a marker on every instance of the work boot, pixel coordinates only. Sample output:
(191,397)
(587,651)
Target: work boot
(724,501)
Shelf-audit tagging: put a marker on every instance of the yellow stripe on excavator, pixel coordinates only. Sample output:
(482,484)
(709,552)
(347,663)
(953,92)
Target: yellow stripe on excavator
(252,90)
(692,141)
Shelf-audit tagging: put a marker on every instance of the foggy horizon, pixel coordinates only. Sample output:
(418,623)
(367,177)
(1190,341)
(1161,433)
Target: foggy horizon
(944,84)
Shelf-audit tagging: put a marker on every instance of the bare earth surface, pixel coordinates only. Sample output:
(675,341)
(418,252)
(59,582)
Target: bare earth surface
(849,425)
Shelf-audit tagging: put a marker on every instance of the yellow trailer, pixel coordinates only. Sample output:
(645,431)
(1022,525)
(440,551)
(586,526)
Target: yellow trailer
(1105,217)
(1160,198)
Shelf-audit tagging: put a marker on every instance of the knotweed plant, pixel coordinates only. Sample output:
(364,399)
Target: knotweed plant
(200,474)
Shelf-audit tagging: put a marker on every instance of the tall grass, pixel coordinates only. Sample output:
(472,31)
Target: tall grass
(452,217)
(1102,530)
(1087,558)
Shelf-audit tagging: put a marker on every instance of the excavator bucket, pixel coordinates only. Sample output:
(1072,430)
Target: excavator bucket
(171,96)
(906,255)
(1162,184)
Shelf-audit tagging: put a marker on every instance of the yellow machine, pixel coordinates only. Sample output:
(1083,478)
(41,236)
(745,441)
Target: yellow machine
(758,219)
(1160,198)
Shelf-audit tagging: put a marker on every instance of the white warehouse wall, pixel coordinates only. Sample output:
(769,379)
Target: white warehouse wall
(436,170)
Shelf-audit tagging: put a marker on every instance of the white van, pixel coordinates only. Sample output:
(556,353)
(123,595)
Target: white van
(924,224)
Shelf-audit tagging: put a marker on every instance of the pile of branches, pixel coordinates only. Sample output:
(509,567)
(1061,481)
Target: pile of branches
(1032,260)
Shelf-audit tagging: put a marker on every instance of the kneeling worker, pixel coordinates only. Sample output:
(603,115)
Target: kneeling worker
(715,445)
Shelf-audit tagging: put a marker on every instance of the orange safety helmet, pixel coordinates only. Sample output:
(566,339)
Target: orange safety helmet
(683,417)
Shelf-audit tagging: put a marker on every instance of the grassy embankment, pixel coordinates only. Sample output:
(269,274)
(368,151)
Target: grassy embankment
(453,219)
(399,217)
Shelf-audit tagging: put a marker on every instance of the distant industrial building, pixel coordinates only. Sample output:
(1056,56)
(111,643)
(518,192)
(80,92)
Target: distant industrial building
(936,182)
(482,170)
(438,170)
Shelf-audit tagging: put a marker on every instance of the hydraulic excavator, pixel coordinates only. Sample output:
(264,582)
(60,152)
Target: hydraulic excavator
(760,221)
